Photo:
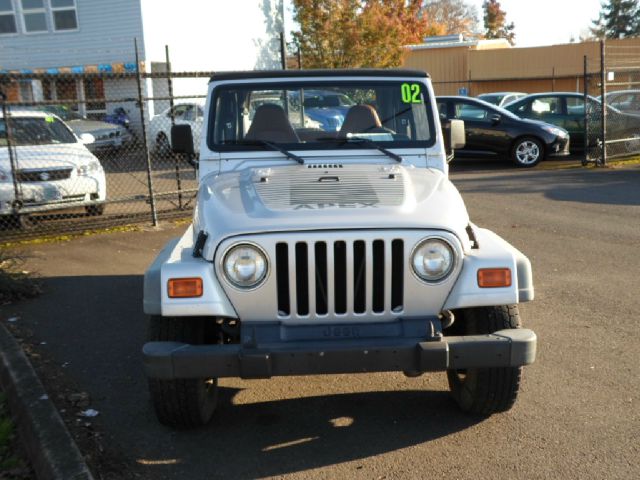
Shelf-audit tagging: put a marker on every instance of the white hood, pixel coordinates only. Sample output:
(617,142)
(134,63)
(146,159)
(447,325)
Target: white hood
(327,197)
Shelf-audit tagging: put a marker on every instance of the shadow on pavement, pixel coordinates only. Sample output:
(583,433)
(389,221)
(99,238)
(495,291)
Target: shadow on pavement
(611,187)
(284,436)
(93,328)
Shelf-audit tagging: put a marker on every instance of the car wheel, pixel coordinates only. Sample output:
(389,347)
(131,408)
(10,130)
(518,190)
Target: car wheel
(163,146)
(26,222)
(632,145)
(484,391)
(22,222)
(94,210)
(527,152)
(186,402)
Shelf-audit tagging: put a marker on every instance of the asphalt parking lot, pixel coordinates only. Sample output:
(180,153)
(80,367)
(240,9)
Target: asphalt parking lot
(578,415)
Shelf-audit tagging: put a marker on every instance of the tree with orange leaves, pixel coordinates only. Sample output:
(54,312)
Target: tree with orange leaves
(358,33)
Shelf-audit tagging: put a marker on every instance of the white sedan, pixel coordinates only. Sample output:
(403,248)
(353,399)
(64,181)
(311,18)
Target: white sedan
(48,168)
(159,134)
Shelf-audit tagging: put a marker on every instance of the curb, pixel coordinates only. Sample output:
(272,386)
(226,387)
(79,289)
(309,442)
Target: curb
(51,449)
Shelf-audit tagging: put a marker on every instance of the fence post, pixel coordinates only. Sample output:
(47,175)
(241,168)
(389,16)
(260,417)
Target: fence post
(603,102)
(283,52)
(152,200)
(17,200)
(585,88)
(173,122)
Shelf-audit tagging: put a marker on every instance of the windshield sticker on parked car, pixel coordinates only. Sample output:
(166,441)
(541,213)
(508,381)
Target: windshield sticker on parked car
(49,119)
(411,93)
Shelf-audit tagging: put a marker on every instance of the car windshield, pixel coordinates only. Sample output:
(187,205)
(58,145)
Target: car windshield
(389,113)
(35,131)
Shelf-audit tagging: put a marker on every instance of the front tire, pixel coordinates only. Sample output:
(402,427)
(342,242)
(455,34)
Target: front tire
(183,403)
(527,152)
(485,391)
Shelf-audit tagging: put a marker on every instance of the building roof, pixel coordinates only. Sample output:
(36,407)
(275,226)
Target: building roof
(357,72)
(452,41)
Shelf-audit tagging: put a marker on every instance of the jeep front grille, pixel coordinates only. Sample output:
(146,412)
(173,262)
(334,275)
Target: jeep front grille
(339,277)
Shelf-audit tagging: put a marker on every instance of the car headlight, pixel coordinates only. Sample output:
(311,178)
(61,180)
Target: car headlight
(245,266)
(558,132)
(433,259)
(89,168)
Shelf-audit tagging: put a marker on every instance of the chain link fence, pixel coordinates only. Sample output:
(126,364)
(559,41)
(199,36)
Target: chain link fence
(85,151)
(612,127)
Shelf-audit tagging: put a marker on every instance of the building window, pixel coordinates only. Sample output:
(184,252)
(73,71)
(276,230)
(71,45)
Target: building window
(34,16)
(7,18)
(64,15)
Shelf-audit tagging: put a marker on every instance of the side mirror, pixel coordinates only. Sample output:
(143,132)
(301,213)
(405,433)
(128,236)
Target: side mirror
(87,138)
(454,136)
(182,139)
(495,118)
(457,133)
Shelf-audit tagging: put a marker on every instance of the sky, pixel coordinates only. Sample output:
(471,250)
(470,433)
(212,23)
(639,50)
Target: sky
(546,22)
(537,22)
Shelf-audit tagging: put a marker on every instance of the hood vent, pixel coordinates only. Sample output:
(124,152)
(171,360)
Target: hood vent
(310,188)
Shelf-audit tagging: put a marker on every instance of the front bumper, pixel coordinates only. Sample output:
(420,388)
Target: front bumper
(559,147)
(504,348)
(54,195)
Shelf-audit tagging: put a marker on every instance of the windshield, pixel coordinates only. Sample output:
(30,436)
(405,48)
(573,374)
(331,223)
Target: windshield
(309,115)
(36,131)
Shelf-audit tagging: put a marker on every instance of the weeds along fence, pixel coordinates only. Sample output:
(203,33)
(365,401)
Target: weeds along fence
(92,150)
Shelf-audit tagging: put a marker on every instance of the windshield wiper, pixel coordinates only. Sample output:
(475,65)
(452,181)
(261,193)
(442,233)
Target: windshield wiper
(366,141)
(271,145)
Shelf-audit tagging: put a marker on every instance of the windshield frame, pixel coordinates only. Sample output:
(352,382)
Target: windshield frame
(319,84)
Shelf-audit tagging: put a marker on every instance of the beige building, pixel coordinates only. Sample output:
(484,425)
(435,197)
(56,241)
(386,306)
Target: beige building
(481,66)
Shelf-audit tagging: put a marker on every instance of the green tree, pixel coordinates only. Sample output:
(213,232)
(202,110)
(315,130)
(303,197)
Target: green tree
(357,33)
(495,22)
(450,17)
(618,19)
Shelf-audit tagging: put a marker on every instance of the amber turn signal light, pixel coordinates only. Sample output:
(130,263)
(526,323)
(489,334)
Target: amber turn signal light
(494,277)
(185,287)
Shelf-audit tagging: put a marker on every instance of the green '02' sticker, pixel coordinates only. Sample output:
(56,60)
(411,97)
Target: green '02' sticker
(411,93)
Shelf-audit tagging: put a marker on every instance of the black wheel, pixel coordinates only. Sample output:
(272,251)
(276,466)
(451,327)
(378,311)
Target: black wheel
(163,146)
(25,222)
(484,391)
(94,210)
(527,152)
(183,403)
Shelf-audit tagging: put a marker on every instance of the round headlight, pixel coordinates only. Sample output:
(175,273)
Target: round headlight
(245,266)
(433,259)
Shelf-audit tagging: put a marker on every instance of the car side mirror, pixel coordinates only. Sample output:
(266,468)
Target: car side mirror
(182,139)
(454,136)
(495,118)
(87,138)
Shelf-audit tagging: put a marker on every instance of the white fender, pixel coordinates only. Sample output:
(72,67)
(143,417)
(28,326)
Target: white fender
(176,261)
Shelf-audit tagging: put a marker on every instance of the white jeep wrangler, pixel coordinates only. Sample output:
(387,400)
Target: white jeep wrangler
(337,248)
